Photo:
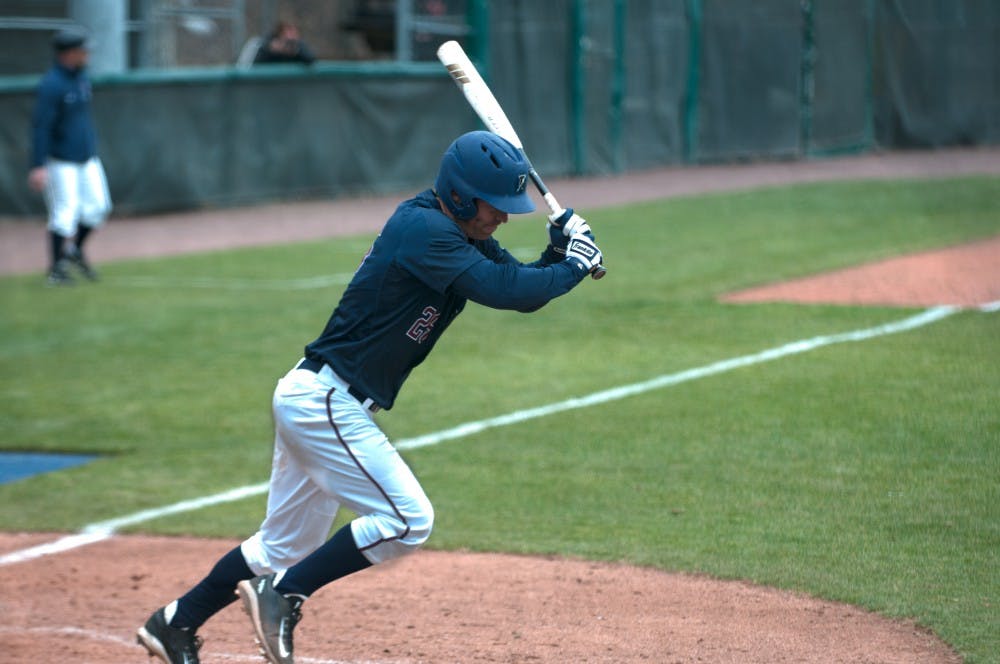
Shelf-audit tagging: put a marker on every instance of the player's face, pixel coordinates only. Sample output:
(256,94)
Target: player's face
(486,221)
(75,58)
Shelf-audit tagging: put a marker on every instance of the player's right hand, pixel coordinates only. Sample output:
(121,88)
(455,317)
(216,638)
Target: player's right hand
(583,252)
(38,178)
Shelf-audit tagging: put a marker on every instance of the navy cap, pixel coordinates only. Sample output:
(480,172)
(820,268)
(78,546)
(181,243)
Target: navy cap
(69,38)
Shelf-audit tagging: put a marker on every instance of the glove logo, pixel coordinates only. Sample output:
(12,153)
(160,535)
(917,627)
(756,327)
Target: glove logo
(583,249)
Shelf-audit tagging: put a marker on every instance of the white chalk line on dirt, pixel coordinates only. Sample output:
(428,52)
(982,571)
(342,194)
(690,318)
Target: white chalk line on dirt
(94,635)
(96,532)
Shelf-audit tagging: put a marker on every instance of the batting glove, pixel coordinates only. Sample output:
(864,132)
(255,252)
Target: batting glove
(570,222)
(582,252)
(557,240)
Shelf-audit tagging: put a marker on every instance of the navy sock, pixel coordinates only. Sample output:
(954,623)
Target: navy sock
(213,593)
(81,235)
(338,557)
(56,247)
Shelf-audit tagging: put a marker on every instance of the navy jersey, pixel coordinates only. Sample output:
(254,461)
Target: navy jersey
(62,127)
(414,281)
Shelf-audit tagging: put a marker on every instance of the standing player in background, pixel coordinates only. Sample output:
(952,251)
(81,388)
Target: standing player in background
(433,254)
(64,164)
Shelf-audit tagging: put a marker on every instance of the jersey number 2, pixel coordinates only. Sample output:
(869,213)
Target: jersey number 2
(422,327)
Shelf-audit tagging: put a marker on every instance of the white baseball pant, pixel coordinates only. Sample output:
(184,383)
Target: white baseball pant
(329,452)
(76,194)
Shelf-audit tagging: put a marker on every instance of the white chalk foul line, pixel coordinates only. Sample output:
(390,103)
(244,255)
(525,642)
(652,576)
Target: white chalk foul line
(62,544)
(130,643)
(78,632)
(305,283)
(102,530)
(624,391)
(112,525)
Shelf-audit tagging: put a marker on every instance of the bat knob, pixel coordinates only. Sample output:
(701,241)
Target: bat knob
(598,272)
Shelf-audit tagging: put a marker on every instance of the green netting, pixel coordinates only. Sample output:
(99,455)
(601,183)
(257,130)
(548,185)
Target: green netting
(937,72)
(530,76)
(840,116)
(657,62)
(750,70)
(219,139)
(592,86)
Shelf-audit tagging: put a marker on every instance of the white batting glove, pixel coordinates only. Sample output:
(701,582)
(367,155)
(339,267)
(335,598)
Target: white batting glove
(583,252)
(570,222)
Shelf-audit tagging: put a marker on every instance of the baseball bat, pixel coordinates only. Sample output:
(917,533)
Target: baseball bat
(481,99)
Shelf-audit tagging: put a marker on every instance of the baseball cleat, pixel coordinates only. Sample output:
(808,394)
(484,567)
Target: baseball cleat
(171,644)
(79,261)
(273,616)
(59,276)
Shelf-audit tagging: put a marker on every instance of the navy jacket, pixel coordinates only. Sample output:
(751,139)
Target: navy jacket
(62,126)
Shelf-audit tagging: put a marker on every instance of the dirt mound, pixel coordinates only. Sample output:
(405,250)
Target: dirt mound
(966,276)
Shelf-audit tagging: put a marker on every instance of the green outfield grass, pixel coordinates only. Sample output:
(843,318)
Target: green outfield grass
(863,472)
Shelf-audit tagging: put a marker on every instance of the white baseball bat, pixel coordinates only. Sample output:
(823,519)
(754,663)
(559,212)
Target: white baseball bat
(481,99)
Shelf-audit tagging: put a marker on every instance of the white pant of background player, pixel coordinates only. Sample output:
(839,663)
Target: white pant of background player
(329,452)
(76,194)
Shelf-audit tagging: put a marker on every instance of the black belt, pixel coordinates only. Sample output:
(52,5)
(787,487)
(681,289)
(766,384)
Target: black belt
(367,402)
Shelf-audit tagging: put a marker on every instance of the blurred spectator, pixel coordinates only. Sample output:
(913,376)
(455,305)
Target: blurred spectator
(284,45)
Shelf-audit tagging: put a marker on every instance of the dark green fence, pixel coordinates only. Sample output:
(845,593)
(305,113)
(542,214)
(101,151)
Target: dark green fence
(185,139)
(593,86)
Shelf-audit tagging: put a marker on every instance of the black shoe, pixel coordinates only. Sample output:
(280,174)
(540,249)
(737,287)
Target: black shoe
(273,615)
(75,257)
(172,645)
(59,275)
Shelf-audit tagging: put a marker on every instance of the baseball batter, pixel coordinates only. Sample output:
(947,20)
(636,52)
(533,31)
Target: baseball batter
(434,254)
(65,167)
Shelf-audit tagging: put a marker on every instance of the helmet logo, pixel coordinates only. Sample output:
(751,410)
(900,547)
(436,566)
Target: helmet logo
(522,179)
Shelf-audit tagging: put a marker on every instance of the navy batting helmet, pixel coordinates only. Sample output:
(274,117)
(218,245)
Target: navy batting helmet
(485,166)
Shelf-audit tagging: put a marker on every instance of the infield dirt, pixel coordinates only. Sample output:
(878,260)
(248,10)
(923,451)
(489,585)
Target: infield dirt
(84,606)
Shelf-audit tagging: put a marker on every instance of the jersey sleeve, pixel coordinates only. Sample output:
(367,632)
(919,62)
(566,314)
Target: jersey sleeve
(493,251)
(513,286)
(435,250)
(496,253)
